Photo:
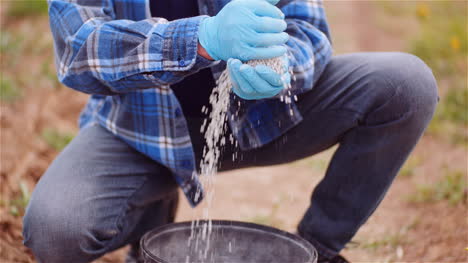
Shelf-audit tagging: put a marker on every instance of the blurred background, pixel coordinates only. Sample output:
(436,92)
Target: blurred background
(422,219)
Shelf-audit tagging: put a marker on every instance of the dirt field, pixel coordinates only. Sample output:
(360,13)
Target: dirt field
(410,226)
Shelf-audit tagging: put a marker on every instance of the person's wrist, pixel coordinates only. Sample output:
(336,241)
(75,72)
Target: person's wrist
(202,52)
(205,35)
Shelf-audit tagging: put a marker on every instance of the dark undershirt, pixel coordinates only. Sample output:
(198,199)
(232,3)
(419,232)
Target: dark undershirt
(194,91)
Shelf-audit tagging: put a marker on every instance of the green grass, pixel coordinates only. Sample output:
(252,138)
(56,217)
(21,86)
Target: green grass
(48,71)
(392,240)
(9,92)
(389,240)
(319,165)
(9,42)
(451,188)
(454,106)
(56,139)
(451,117)
(27,8)
(11,49)
(411,164)
(18,205)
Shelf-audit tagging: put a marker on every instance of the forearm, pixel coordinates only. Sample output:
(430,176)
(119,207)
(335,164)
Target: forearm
(100,55)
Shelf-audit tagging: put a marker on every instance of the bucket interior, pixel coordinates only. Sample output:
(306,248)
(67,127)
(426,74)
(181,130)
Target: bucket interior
(230,242)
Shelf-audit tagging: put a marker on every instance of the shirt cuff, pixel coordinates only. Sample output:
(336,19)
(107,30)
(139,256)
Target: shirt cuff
(180,46)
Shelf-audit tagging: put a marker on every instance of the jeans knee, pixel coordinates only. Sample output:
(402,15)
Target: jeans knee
(44,234)
(57,234)
(410,85)
(419,86)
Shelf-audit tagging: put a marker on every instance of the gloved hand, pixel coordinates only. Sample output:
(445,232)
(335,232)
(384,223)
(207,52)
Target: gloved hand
(256,83)
(246,30)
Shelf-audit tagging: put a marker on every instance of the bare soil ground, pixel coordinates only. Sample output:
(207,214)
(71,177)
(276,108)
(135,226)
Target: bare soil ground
(399,231)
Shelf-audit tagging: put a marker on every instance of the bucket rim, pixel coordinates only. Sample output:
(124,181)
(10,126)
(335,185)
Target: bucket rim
(247,225)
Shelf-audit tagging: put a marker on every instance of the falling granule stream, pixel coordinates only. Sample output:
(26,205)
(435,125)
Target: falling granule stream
(214,128)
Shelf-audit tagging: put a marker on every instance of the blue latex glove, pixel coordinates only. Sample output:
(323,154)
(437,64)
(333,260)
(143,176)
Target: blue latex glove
(246,30)
(260,82)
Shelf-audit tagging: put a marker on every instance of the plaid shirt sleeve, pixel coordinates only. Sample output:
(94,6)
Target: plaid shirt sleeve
(309,46)
(98,54)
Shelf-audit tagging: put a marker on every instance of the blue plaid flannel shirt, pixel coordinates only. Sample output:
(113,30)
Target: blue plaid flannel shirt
(127,60)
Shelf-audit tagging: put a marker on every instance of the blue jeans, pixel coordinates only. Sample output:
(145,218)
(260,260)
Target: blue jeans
(100,194)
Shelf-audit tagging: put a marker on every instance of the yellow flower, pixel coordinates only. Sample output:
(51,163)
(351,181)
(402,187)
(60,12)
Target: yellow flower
(423,11)
(455,43)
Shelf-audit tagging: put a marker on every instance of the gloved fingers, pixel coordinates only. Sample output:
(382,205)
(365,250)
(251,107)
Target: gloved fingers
(232,74)
(240,86)
(263,52)
(286,63)
(269,25)
(269,39)
(242,94)
(273,2)
(286,78)
(261,86)
(235,83)
(264,8)
(269,75)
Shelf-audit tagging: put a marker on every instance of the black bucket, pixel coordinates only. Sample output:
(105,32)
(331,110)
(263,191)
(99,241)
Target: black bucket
(230,242)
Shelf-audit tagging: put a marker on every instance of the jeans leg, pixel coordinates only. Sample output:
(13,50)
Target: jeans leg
(395,101)
(93,199)
(376,107)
